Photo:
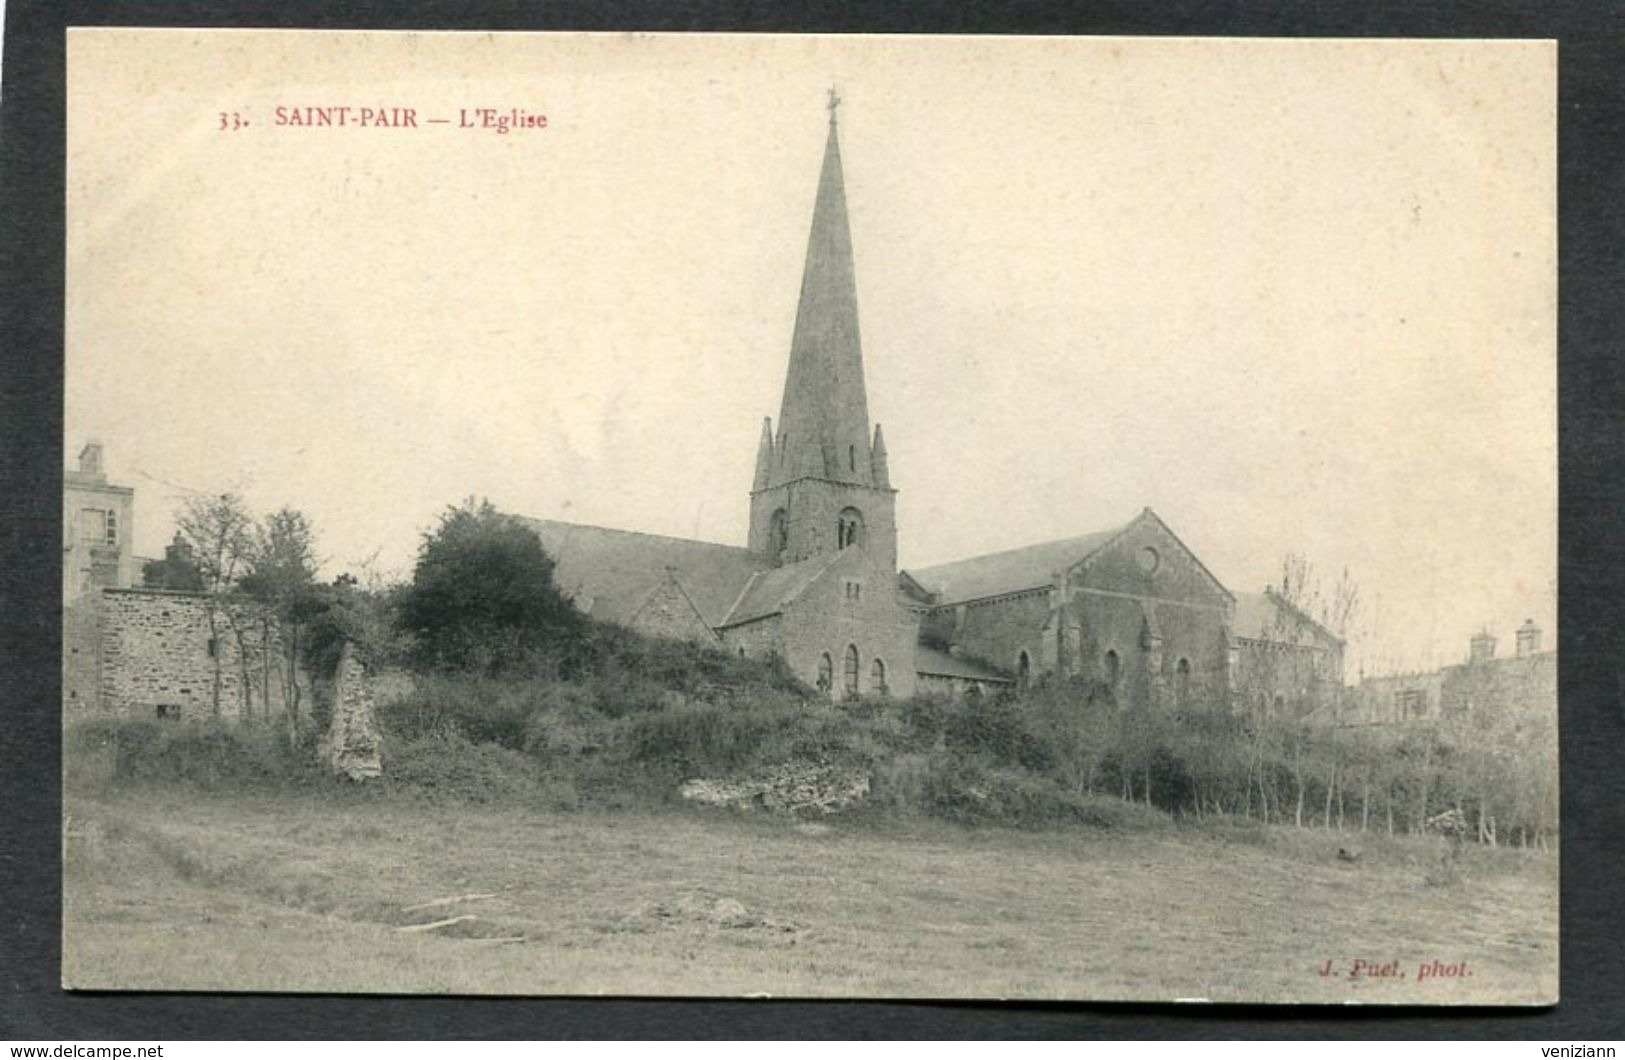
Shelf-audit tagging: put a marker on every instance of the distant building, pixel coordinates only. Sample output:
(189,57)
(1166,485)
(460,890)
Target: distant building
(1287,663)
(1485,687)
(97,528)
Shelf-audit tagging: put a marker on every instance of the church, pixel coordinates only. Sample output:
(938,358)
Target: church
(1128,612)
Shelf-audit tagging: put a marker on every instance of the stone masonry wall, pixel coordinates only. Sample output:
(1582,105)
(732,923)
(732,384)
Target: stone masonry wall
(351,747)
(813,507)
(156,658)
(668,612)
(996,631)
(824,619)
(81,659)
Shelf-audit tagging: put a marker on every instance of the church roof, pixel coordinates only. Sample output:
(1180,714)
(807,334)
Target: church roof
(770,590)
(1265,616)
(610,573)
(938,663)
(998,573)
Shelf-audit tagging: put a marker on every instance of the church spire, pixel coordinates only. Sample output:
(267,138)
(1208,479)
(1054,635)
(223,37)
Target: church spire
(824,420)
(764,456)
(877,460)
(822,484)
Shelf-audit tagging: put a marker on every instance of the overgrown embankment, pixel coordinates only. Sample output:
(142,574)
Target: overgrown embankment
(621,721)
(629,726)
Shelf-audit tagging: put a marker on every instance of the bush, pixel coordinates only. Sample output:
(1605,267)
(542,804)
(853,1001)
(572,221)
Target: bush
(998,728)
(207,753)
(448,766)
(958,790)
(482,709)
(482,596)
(704,739)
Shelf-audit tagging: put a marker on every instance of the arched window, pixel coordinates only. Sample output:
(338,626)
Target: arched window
(826,674)
(877,677)
(1182,682)
(780,530)
(849,529)
(851,686)
(1024,669)
(1114,668)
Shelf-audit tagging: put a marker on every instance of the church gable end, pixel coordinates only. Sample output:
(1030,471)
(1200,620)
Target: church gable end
(1145,559)
(668,611)
(849,608)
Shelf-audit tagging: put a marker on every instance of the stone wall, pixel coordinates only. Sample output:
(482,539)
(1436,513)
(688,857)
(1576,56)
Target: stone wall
(758,639)
(1141,616)
(1299,680)
(813,508)
(668,612)
(823,618)
(798,788)
(352,745)
(1489,692)
(998,630)
(1397,699)
(81,659)
(157,657)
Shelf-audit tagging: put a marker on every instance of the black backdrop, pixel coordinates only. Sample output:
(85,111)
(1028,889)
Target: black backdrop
(1592,569)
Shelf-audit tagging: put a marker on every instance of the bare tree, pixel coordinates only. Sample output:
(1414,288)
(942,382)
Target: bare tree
(282,577)
(219,531)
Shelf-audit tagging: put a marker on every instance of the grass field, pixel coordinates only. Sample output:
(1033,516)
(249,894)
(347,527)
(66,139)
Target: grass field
(192,892)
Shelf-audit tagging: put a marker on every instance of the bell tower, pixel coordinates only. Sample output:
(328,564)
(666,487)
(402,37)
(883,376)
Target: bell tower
(822,482)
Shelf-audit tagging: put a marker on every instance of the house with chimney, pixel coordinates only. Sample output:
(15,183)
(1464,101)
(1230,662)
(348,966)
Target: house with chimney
(1485,688)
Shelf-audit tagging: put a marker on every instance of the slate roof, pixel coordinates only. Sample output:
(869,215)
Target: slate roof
(998,573)
(617,569)
(769,590)
(1255,616)
(1265,616)
(939,663)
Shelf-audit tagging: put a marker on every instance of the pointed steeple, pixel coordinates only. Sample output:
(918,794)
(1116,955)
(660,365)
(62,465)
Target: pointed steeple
(877,460)
(822,484)
(824,420)
(764,456)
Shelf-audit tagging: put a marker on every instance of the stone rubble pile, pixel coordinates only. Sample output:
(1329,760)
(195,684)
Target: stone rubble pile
(793,788)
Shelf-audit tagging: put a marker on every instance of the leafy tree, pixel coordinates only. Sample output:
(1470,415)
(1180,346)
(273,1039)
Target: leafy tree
(482,595)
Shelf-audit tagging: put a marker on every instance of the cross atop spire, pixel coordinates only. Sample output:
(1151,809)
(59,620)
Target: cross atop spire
(824,421)
(822,483)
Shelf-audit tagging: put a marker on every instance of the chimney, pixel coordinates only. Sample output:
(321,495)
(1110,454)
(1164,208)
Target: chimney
(90,459)
(1528,638)
(1481,648)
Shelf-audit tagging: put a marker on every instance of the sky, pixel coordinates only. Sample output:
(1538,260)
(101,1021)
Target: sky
(1296,296)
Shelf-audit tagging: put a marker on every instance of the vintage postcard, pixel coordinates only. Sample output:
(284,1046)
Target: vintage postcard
(811,516)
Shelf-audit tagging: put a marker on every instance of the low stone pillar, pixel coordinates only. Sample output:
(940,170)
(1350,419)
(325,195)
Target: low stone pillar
(352,744)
